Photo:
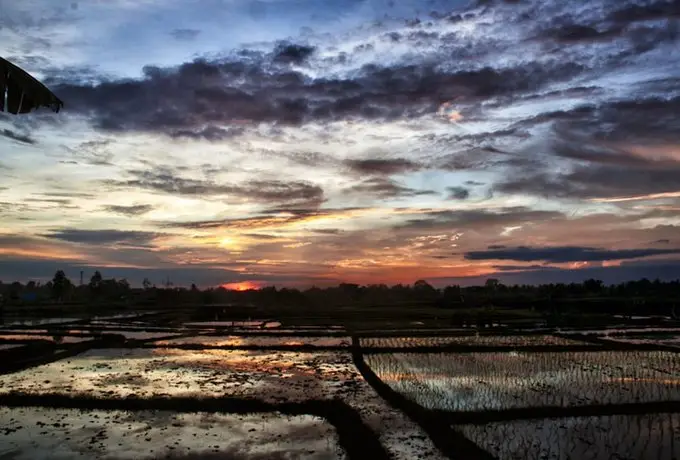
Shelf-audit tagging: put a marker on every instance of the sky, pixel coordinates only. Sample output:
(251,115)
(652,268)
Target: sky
(300,142)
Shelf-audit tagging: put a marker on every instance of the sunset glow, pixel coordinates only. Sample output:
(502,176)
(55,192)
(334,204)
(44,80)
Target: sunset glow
(242,286)
(364,141)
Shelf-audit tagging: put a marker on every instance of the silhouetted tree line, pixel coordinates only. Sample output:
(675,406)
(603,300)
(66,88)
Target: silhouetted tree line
(100,290)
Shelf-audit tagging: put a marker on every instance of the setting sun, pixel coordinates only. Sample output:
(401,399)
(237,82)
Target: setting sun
(242,286)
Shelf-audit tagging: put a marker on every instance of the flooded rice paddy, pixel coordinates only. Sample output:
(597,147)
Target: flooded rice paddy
(496,381)
(158,372)
(258,388)
(471,340)
(259,341)
(30,433)
(630,437)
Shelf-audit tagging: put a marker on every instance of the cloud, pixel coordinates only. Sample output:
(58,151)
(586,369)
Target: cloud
(273,217)
(292,53)
(166,180)
(623,148)
(132,210)
(380,167)
(95,237)
(576,33)
(458,193)
(564,254)
(257,87)
(593,182)
(459,219)
(13,135)
(648,11)
(95,152)
(386,188)
(185,34)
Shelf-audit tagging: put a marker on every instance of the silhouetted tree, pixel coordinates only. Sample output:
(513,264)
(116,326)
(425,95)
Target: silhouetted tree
(60,285)
(424,290)
(95,284)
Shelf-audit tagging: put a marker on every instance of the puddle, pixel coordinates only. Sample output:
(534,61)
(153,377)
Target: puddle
(640,437)
(473,340)
(491,381)
(238,341)
(31,433)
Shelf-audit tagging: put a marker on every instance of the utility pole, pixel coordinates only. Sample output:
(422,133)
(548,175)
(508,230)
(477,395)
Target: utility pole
(81,277)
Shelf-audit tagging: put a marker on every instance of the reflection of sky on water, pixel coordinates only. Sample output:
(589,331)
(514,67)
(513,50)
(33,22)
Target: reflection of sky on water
(40,322)
(67,434)
(474,340)
(640,437)
(49,338)
(671,340)
(484,381)
(173,372)
(236,341)
(246,324)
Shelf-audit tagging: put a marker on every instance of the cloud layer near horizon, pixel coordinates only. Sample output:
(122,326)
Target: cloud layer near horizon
(365,141)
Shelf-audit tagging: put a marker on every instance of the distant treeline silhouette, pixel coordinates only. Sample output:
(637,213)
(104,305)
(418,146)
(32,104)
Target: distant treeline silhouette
(493,293)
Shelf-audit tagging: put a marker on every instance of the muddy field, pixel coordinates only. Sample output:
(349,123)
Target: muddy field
(154,385)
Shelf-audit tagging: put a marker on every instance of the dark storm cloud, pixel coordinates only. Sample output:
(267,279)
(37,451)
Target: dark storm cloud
(382,167)
(588,182)
(133,210)
(476,218)
(386,188)
(291,53)
(576,33)
(13,135)
(185,34)
(458,193)
(249,87)
(167,181)
(599,141)
(648,11)
(94,237)
(564,254)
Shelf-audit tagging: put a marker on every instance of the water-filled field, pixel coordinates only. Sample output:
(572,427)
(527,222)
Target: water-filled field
(65,434)
(154,386)
(495,381)
(469,340)
(639,437)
